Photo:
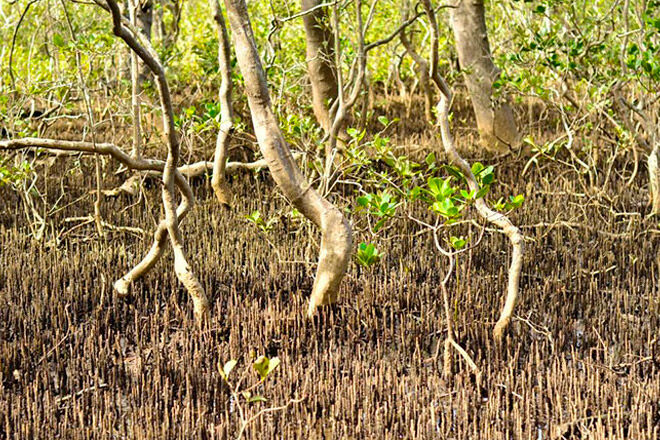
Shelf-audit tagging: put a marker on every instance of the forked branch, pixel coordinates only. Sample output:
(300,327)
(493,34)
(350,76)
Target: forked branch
(140,45)
(134,163)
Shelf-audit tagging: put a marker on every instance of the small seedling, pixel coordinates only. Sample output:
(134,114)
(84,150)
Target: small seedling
(244,397)
(264,225)
(368,255)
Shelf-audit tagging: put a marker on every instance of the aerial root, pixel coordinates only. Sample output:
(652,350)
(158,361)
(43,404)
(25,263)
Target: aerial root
(89,219)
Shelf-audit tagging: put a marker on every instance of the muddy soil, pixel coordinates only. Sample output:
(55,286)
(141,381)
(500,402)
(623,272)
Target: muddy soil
(581,360)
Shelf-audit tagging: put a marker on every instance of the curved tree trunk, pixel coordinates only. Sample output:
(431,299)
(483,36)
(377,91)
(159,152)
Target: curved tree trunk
(138,43)
(336,240)
(495,120)
(654,178)
(218,181)
(320,60)
(422,69)
(144,20)
(496,218)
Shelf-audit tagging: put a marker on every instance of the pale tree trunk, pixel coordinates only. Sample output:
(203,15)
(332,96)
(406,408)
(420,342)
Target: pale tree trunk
(654,178)
(170,225)
(497,127)
(320,60)
(422,68)
(140,15)
(144,18)
(158,25)
(218,181)
(135,88)
(336,240)
(500,220)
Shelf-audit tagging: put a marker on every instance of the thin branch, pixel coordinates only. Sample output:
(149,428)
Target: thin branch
(13,42)
(306,12)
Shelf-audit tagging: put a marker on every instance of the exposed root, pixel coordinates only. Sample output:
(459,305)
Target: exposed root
(192,285)
(89,219)
(121,286)
(496,218)
(335,252)
(222,192)
(199,168)
(131,186)
(141,46)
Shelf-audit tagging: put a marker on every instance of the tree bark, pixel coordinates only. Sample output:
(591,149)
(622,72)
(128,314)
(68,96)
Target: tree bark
(422,69)
(336,240)
(654,178)
(136,85)
(138,43)
(320,60)
(495,120)
(144,19)
(218,181)
(499,220)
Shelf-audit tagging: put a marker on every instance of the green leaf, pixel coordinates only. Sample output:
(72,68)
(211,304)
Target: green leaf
(482,192)
(517,201)
(254,217)
(457,243)
(366,249)
(446,208)
(261,366)
(383,120)
(430,160)
(226,368)
(415,193)
(265,366)
(257,398)
(367,254)
(379,224)
(435,186)
(455,172)
(476,168)
(447,189)
(363,200)
(58,40)
(540,9)
(487,175)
